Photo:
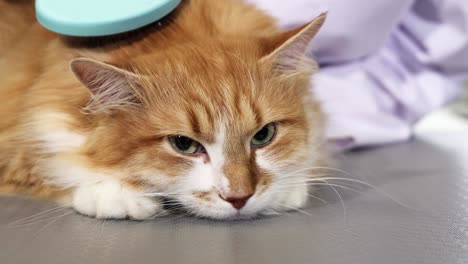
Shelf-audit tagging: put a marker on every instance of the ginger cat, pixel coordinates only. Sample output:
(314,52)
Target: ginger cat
(209,108)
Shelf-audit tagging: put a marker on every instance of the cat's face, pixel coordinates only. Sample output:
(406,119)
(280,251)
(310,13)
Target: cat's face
(225,134)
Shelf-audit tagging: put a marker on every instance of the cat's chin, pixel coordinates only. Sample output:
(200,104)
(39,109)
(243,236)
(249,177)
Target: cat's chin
(239,216)
(266,205)
(217,214)
(221,213)
(224,216)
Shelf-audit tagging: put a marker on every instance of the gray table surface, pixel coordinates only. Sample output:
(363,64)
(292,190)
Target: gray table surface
(427,175)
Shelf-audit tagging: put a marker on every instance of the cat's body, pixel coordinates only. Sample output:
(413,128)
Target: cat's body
(214,71)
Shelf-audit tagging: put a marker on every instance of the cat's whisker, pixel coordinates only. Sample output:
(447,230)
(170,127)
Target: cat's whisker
(160,194)
(305,182)
(151,194)
(295,209)
(162,213)
(332,186)
(294,172)
(319,184)
(309,168)
(318,198)
(319,178)
(171,202)
(301,177)
(341,199)
(177,217)
(334,169)
(318,168)
(38,215)
(310,195)
(304,174)
(39,221)
(270,212)
(298,180)
(34,222)
(382,192)
(350,180)
(53,221)
(100,223)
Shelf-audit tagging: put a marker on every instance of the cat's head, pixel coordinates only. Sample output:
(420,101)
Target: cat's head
(226,129)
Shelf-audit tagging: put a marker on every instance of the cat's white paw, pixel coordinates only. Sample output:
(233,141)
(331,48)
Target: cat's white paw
(297,198)
(112,200)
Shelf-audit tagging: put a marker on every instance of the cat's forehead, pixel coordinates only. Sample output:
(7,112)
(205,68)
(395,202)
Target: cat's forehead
(207,116)
(198,60)
(199,94)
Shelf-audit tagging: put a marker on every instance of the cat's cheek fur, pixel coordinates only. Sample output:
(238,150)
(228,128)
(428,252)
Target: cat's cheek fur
(113,200)
(278,197)
(296,198)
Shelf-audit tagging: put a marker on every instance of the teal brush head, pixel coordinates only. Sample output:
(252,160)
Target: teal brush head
(100,17)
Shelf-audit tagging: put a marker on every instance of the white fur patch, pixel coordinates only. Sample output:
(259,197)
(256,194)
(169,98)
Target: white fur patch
(69,173)
(201,178)
(54,136)
(216,152)
(209,176)
(295,198)
(111,200)
(262,161)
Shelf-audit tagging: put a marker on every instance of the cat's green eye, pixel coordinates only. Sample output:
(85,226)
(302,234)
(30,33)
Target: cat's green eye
(264,135)
(186,145)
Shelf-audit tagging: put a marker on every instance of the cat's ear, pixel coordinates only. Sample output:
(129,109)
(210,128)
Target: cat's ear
(110,87)
(287,50)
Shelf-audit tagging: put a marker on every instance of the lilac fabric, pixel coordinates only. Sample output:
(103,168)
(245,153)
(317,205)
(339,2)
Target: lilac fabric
(384,64)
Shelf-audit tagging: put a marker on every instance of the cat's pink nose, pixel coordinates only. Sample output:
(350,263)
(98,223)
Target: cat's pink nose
(237,201)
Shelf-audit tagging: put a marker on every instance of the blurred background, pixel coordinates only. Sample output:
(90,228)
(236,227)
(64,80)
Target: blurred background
(452,118)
